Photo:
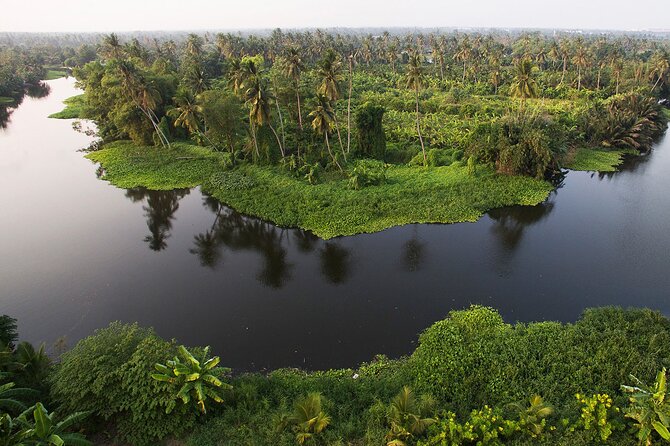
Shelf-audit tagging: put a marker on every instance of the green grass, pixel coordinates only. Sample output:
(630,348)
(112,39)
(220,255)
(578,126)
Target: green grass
(6,100)
(331,209)
(597,160)
(55,74)
(74,107)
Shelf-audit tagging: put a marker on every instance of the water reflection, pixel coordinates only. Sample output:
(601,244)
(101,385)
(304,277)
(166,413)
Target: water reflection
(335,262)
(38,90)
(235,231)
(5,114)
(159,211)
(511,222)
(413,251)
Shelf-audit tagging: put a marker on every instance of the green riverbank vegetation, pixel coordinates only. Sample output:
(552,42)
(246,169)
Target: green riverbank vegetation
(472,380)
(73,108)
(308,128)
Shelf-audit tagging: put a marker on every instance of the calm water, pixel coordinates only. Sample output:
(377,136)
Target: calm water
(77,253)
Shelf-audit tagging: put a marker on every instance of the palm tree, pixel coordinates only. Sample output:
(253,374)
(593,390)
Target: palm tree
(308,419)
(186,112)
(463,54)
(409,417)
(322,122)
(352,57)
(259,98)
(111,47)
(415,79)
(660,68)
(143,94)
(581,59)
(524,86)
(293,70)
(330,72)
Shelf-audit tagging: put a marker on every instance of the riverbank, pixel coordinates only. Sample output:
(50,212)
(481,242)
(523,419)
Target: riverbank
(597,160)
(73,108)
(446,194)
(475,379)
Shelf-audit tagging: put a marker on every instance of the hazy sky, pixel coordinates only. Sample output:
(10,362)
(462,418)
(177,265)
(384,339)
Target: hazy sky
(130,15)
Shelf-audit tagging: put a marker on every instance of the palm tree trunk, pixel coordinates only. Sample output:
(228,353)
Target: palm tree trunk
(598,83)
(281,148)
(565,67)
(281,125)
(579,77)
(297,94)
(617,82)
(351,76)
(330,152)
(464,62)
(657,81)
(442,69)
(339,136)
(418,128)
(253,136)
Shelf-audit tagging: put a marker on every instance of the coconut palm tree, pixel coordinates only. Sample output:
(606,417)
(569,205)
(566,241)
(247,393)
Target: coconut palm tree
(186,112)
(323,117)
(415,79)
(143,94)
(409,417)
(464,53)
(293,70)
(330,72)
(111,47)
(660,68)
(524,86)
(308,419)
(581,60)
(259,98)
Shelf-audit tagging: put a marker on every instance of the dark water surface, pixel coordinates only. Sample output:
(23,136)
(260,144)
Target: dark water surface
(77,253)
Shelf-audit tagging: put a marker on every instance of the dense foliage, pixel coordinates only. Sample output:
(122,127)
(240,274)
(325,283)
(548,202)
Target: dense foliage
(473,379)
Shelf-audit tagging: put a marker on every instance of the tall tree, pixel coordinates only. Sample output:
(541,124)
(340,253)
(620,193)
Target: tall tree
(323,117)
(415,80)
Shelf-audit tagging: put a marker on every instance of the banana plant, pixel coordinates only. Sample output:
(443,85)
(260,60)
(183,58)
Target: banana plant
(12,431)
(649,407)
(198,379)
(43,430)
(10,397)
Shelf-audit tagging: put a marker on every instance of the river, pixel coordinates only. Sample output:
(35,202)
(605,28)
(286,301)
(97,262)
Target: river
(77,253)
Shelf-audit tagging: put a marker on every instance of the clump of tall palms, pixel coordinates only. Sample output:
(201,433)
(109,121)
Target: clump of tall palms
(323,118)
(524,85)
(632,122)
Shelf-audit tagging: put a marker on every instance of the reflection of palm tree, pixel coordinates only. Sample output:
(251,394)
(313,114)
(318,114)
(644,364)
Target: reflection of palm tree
(207,249)
(5,113)
(305,240)
(413,251)
(334,263)
(511,222)
(159,211)
(236,231)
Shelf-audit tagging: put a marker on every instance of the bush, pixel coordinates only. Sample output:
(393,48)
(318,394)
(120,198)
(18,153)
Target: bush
(109,374)
(367,173)
(473,358)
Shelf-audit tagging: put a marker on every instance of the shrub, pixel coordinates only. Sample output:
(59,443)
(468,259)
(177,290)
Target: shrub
(109,374)
(371,138)
(367,173)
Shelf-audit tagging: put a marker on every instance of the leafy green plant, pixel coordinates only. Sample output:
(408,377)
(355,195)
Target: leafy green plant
(12,431)
(409,417)
(596,415)
(196,379)
(307,420)
(367,173)
(44,430)
(650,408)
(12,397)
(108,374)
(533,417)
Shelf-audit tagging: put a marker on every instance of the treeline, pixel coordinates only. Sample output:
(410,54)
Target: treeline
(317,99)
(473,379)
